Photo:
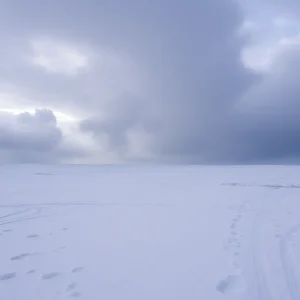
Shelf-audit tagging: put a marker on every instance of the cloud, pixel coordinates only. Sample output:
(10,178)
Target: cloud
(194,75)
(162,80)
(288,7)
(273,108)
(33,138)
(58,57)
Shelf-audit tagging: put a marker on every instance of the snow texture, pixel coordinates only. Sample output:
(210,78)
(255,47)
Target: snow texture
(131,232)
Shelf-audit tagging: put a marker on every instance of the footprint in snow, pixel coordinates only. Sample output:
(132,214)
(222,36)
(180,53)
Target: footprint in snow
(232,284)
(7,230)
(8,276)
(71,289)
(59,249)
(43,174)
(30,272)
(77,269)
(20,256)
(50,275)
(75,295)
(71,286)
(32,236)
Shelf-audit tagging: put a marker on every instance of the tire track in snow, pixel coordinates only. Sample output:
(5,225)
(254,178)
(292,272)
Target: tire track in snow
(287,265)
(259,273)
(234,284)
(257,278)
(26,214)
(285,281)
(14,214)
(288,277)
(36,209)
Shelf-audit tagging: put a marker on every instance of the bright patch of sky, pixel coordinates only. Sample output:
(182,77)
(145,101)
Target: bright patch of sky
(270,31)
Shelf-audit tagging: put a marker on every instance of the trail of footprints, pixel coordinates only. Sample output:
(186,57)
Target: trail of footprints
(234,283)
(235,237)
(72,289)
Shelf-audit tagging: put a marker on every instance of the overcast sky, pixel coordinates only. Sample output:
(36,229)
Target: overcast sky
(110,81)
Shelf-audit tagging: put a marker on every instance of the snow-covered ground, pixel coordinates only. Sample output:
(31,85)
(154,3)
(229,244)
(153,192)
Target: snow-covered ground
(145,233)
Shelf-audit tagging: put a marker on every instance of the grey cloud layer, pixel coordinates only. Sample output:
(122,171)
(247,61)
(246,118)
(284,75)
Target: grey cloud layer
(32,138)
(197,103)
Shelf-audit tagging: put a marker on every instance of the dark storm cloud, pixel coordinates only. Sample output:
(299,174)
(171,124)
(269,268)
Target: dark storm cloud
(198,102)
(271,111)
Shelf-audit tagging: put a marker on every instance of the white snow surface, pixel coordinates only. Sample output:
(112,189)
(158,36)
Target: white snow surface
(149,233)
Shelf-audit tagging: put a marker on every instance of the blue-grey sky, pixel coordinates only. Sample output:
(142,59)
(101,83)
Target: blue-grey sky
(109,81)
